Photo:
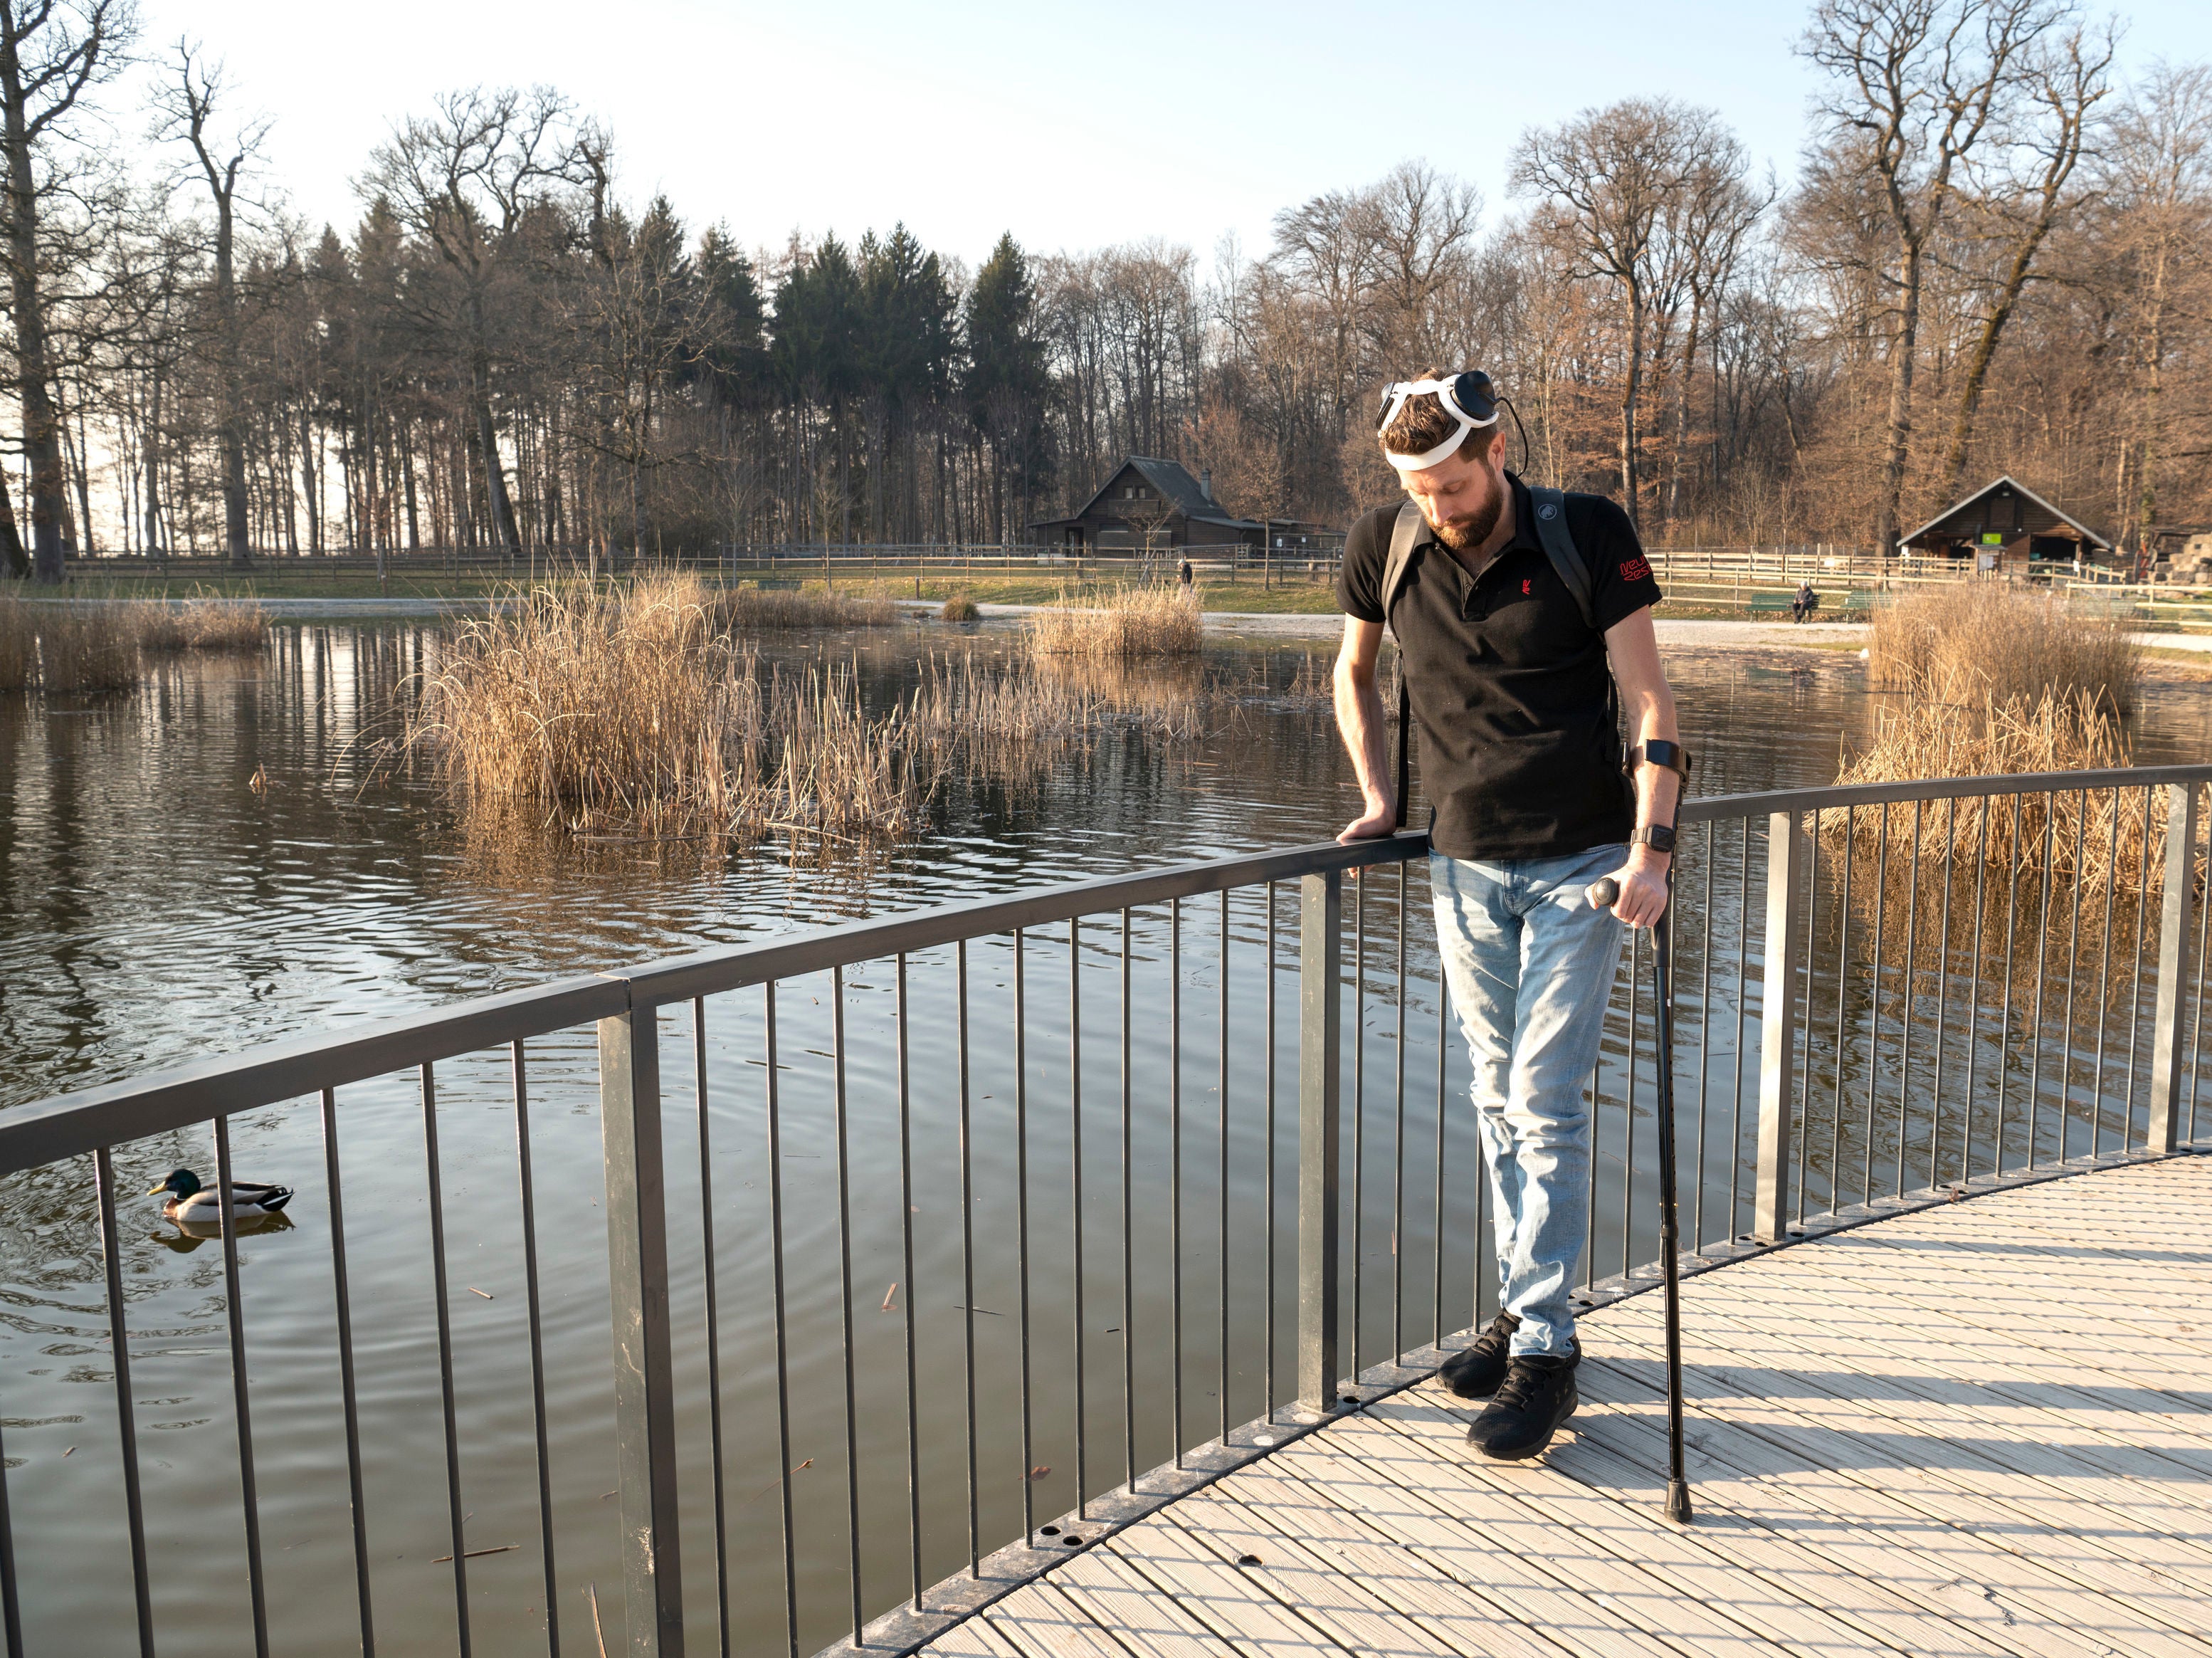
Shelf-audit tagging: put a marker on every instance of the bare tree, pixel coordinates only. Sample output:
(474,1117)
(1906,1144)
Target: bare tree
(1612,177)
(186,112)
(1418,224)
(2068,80)
(1919,84)
(464,181)
(51,53)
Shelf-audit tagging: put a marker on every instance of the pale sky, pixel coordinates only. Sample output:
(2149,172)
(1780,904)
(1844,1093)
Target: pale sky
(1073,127)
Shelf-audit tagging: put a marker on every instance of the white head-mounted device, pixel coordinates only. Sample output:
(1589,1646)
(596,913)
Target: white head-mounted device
(1466,398)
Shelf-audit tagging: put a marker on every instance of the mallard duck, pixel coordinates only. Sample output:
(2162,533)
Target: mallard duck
(193,1202)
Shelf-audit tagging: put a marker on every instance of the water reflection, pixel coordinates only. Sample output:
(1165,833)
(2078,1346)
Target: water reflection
(182,1237)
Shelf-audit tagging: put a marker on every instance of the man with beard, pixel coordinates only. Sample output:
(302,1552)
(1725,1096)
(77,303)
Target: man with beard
(1511,639)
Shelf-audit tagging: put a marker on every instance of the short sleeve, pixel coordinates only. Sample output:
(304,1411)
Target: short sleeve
(1359,576)
(1621,582)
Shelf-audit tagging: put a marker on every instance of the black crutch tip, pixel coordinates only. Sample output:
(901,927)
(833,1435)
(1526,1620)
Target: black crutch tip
(1678,1501)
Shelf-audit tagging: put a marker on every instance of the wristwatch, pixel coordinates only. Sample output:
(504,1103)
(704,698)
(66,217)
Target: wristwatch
(1657,836)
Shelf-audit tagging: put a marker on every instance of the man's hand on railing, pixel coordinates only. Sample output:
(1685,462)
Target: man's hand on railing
(1380,819)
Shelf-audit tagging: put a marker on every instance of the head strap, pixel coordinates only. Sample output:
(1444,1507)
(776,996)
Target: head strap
(1455,395)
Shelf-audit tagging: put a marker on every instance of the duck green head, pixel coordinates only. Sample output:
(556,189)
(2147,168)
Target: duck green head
(182,1181)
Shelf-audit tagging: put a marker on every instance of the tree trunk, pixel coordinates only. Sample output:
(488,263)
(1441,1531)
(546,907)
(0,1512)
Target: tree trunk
(12,559)
(1899,430)
(237,532)
(1630,390)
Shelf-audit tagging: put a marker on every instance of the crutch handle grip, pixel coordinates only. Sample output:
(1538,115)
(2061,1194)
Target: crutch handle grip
(1604,893)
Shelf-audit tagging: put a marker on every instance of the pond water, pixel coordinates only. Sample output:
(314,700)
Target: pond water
(228,857)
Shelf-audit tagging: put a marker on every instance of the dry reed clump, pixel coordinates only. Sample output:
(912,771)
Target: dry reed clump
(2002,642)
(1138,621)
(84,651)
(203,624)
(635,712)
(19,645)
(960,608)
(746,609)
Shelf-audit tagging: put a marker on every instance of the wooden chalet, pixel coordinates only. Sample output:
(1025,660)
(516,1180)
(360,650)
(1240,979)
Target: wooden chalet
(1152,505)
(2007,528)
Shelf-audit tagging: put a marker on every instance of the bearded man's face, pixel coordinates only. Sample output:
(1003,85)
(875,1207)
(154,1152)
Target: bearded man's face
(1461,496)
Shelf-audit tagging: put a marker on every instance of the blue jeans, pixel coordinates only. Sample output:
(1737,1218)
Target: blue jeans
(1530,966)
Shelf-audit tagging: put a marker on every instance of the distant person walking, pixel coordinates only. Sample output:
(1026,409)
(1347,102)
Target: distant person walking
(1185,574)
(1804,602)
(1516,611)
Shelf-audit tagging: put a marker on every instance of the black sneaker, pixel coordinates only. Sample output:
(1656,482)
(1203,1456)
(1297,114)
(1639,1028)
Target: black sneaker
(1537,1395)
(1475,1370)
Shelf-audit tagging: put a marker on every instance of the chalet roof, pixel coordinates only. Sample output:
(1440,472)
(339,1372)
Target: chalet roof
(1177,486)
(2009,482)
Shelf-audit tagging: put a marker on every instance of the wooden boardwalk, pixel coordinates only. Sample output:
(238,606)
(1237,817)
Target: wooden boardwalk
(1980,1429)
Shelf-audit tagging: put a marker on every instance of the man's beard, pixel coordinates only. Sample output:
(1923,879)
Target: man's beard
(1464,535)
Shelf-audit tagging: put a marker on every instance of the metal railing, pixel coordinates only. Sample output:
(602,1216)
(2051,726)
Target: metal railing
(1162,1171)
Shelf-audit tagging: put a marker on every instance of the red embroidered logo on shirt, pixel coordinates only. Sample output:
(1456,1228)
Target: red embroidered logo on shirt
(1635,571)
(1527,584)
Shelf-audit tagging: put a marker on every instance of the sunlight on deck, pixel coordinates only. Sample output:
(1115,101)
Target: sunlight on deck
(1984,1428)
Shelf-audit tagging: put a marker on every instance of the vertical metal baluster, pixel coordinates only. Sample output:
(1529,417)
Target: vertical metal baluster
(527,1187)
(905,1061)
(1398,1149)
(1942,994)
(2004,1018)
(1267,1179)
(1805,1065)
(126,1415)
(1843,981)
(2196,1026)
(1022,1226)
(349,1398)
(2042,965)
(1221,1104)
(1075,1182)
(845,1295)
(1974,995)
(1704,1040)
(1443,1048)
(1873,999)
(2135,996)
(2073,963)
(966,1253)
(1628,1113)
(2104,987)
(455,1515)
(1128,1241)
(1912,971)
(1356,1252)
(1175,1174)
(713,1311)
(11,1607)
(783,1338)
(1743,1010)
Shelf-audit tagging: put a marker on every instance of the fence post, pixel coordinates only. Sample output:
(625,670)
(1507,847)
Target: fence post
(1786,845)
(1320,947)
(637,1260)
(2163,1132)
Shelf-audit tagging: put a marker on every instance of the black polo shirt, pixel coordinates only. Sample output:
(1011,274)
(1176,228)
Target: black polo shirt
(1509,687)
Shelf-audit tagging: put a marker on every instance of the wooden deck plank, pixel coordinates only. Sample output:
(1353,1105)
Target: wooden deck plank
(1978,1430)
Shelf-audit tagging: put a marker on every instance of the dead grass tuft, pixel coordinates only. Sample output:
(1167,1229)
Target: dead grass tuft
(85,650)
(960,608)
(1136,621)
(19,645)
(747,609)
(202,623)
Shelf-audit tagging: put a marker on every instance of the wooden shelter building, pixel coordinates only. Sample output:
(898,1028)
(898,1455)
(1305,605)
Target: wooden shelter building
(1150,505)
(2007,528)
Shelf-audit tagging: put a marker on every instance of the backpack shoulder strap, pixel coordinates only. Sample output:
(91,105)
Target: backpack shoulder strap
(1403,534)
(1559,547)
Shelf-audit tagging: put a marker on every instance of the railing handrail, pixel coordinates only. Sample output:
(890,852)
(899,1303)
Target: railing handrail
(180,1096)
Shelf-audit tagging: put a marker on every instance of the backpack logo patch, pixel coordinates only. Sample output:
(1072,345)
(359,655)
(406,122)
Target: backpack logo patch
(1635,571)
(1549,509)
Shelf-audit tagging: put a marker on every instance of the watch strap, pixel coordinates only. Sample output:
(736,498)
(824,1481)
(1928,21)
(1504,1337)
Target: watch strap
(1657,836)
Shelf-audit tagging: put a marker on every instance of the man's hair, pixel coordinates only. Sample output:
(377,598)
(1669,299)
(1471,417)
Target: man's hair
(1424,422)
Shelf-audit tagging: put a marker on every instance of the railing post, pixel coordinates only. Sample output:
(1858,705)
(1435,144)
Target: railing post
(637,1261)
(2163,1131)
(1320,950)
(1786,844)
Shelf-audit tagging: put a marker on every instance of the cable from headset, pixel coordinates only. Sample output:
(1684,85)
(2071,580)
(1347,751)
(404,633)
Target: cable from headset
(1518,427)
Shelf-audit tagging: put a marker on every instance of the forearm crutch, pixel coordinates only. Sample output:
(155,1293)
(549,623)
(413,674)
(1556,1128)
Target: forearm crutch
(1603,894)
